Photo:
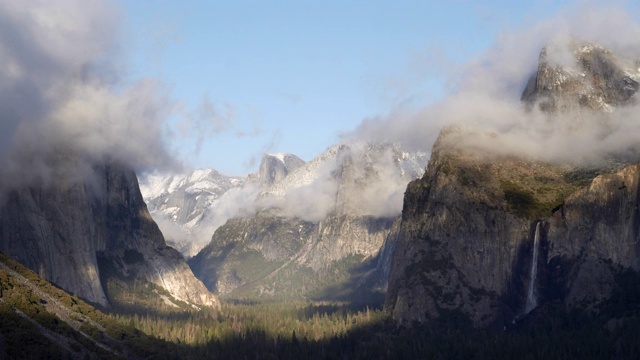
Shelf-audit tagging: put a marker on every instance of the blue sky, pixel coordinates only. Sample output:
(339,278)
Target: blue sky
(292,76)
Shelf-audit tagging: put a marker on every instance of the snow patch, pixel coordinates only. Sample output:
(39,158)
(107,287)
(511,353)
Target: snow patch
(279,156)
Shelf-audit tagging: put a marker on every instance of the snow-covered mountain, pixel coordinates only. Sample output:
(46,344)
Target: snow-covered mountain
(180,204)
(361,179)
(190,206)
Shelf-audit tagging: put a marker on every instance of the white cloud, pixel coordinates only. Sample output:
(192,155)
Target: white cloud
(488,89)
(63,103)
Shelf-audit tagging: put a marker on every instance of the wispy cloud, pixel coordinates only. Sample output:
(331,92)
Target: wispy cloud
(271,144)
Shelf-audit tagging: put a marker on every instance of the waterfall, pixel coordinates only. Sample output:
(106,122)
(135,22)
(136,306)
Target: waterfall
(532,300)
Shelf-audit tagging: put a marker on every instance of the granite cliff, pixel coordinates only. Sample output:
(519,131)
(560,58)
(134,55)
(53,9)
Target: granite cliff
(95,238)
(486,239)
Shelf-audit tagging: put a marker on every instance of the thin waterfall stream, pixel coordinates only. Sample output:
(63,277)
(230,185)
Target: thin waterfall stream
(532,299)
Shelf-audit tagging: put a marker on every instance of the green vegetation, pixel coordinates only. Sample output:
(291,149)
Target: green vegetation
(309,321)
(524,203)
(537,201)
(336,331)
(530,189)
(279,281)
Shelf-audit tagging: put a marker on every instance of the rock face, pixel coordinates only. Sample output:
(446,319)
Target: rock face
(86,236)
(466,241)
(593,79)
(322,234)
(463,227)
(592,236)
(273,168)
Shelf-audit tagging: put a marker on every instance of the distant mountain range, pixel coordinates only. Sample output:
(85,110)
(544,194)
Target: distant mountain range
(295,221)
(190,206)
(181,205)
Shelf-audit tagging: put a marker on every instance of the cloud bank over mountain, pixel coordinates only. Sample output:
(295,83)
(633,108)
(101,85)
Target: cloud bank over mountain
(488,89)
(63,98)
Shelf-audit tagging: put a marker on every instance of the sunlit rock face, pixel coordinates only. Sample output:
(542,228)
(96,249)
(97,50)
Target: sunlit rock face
(466,241)
(68,231)
(274,168)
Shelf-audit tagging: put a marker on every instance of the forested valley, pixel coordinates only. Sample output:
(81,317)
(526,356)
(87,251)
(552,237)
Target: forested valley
(75,329)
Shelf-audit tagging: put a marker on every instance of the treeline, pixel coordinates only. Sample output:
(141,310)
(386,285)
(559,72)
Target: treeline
(313,322)
(336,331)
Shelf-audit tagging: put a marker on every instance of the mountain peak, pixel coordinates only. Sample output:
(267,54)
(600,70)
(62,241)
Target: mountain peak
(575,75)
(275,167)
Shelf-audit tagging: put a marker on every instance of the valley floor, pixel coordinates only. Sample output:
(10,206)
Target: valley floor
(40,321)
(337,331)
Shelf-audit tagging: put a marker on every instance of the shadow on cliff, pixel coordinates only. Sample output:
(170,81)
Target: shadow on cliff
(206,269)
(362,288)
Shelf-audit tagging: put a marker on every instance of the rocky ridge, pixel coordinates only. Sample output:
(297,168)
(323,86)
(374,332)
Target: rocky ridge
(582,75)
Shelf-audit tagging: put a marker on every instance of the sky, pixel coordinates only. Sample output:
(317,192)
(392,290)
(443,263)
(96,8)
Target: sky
(175,84)
(169,85)
(250,77)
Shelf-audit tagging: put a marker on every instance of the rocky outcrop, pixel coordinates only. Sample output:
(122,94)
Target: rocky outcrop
(460,235)
(85,235)
(581,75)
(592,236)
(274,168)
